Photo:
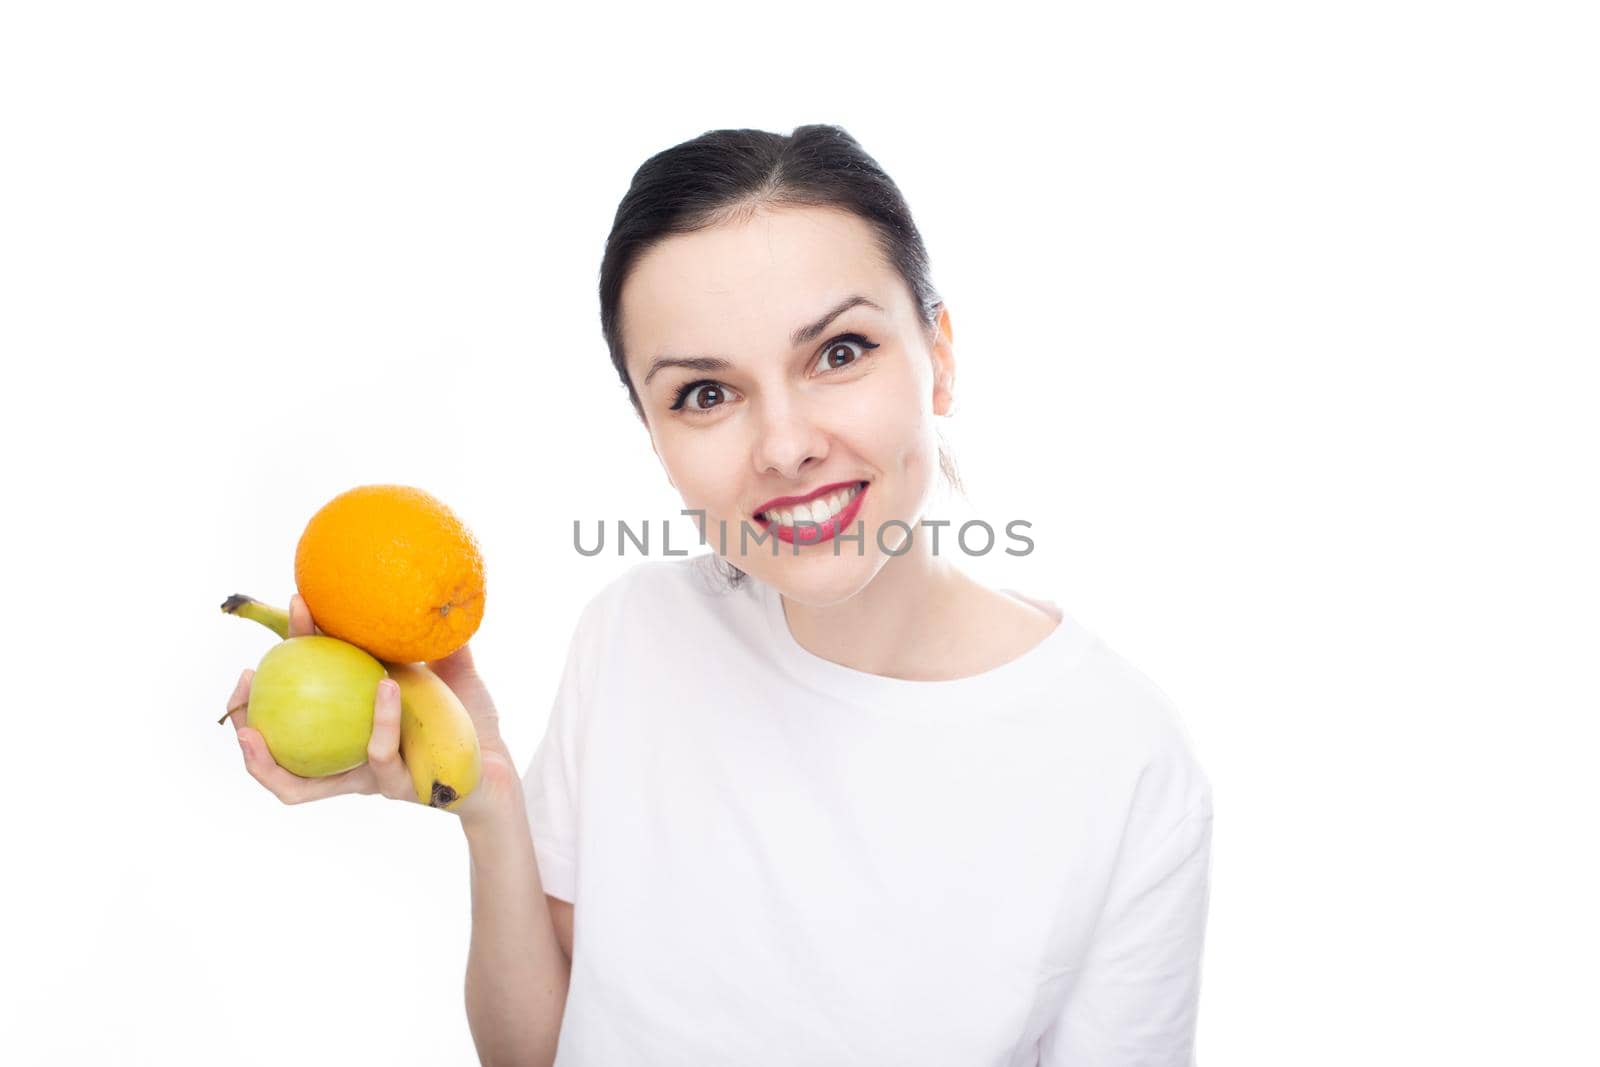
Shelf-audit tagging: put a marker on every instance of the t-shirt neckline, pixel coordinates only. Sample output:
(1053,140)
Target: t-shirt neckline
(973,693)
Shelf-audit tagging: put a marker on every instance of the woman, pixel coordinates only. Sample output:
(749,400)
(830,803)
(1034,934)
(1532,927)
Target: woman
(846,805)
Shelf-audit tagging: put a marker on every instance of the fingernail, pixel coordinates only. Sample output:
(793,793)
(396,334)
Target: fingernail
(245,748)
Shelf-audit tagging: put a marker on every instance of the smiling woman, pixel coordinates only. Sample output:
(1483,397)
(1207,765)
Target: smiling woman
(725,177)
(852,806)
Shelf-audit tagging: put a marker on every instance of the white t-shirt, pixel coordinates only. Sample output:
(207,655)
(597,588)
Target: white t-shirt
(775,859)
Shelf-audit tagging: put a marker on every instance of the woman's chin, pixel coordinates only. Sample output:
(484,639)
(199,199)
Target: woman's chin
(816,580)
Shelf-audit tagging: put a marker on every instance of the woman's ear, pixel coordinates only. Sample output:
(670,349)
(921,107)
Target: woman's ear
(944,365)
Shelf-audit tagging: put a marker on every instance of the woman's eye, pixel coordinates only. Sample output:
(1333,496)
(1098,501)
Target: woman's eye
(837,352)
(701,391)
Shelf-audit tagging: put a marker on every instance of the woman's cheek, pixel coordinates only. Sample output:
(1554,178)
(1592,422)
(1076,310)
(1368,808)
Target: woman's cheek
(919,461)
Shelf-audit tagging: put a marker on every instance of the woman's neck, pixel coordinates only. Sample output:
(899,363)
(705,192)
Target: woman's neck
(919,618)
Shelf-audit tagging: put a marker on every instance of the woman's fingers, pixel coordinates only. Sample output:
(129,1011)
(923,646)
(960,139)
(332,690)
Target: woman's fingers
(383,749)
(300,622)
(456,665)
(291,788)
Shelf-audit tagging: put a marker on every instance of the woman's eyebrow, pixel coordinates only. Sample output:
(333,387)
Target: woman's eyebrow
(805,334)
(692,362)
(801,335)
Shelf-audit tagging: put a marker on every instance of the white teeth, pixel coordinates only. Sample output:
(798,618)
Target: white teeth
(818,511)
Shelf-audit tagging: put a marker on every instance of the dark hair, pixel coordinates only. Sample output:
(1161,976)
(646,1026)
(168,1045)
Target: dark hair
(727,175)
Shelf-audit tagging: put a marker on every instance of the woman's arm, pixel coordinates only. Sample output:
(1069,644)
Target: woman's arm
(517,973)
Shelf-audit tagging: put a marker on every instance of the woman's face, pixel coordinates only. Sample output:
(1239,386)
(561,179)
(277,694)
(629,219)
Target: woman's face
(799,400)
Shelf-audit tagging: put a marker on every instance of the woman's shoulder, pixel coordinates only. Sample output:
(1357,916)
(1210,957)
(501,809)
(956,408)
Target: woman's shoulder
(1094,699)
(1130,715)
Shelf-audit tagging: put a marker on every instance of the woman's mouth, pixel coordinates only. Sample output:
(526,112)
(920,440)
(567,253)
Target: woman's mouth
(816,520)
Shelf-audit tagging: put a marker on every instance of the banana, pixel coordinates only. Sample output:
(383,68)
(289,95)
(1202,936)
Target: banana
(274,619)
(438,742)
(437,739)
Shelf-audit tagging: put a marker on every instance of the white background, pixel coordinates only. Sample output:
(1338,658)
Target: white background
(1273,320)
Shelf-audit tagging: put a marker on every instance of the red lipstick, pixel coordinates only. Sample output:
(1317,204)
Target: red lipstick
(813,534)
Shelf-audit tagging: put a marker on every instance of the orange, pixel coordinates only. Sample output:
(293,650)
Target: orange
(391,570)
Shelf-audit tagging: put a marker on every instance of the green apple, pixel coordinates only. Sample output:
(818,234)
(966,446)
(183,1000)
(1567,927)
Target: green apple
(312,699)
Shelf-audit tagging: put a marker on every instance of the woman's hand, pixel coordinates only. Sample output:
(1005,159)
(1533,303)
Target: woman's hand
(385,771)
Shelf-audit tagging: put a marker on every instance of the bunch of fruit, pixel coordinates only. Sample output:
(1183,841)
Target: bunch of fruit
(394,580)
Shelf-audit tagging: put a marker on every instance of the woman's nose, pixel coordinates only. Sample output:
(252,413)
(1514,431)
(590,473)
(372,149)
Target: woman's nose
(786,439)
